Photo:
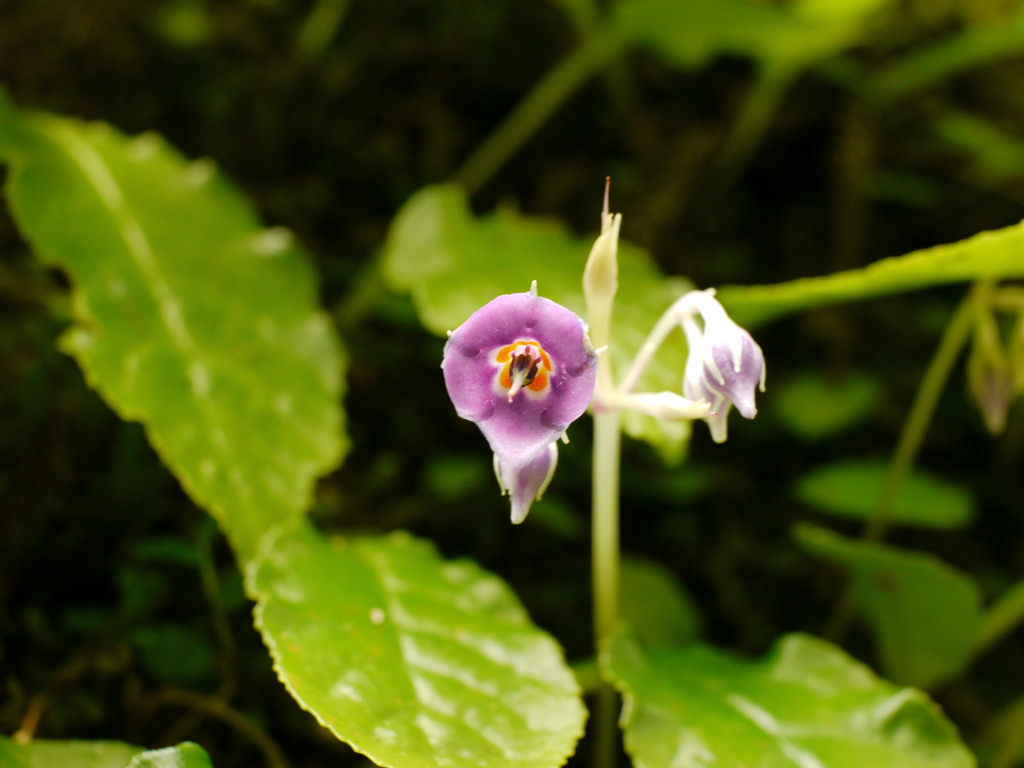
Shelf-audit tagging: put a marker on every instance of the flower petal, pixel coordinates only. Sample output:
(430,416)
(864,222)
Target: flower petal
(519,425)
(526,482)
(725,366)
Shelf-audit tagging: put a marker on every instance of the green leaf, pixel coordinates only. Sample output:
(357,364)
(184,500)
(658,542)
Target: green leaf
(414,661)
(782,39)
(185,755)
(44,753)
(655,606)
(814,407)
(805,704)
(925,614)
(453,263)
(998,156)
(98,754)
(976,46)
(174,653)
(997,254)
(852,489)
(190,317)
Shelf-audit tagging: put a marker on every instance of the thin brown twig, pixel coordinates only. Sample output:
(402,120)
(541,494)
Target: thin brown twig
(30,723)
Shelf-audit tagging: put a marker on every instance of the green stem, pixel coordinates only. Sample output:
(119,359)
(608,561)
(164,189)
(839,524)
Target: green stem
(1004,738)
(999,620)
(759,106)
(954,338)
(211,590)
(915,427)
(547,95)
(605,484)
(320,28)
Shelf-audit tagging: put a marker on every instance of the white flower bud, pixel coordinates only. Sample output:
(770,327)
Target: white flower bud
(725,365)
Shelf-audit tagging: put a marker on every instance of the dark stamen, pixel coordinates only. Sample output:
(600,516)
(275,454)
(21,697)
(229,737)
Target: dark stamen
(525,365)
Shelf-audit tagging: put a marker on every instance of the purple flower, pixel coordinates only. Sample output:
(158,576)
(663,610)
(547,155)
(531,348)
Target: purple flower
(725,365)
(523,369)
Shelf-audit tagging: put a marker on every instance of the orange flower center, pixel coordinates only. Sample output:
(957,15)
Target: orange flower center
(524,365)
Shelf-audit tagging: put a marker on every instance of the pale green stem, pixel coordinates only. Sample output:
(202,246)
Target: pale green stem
(605,485)
(954,338)
(540,103)
(672,317)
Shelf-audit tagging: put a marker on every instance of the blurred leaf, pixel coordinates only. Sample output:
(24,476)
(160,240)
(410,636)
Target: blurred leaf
(925,614)
(805,704)
(453,263)
(66,754)
(185,755)
(98,754)
(167,549)
(191,318)
(559,520)
(782,39)
(414,661)
(972,47)
(451,477)
(853,488)
(813,406)
(143,591)
(654,604)
(904,188)
(186,23)
(173,653)
(996,254)
(582,13)
(321,27)
(998,156)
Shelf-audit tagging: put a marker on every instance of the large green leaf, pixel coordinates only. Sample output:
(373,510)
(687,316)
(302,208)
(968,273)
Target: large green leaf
(190,317)
(806,705)
(925,614)
(453,263)
(98,754)
(853,488)
(996,254)
(414,661)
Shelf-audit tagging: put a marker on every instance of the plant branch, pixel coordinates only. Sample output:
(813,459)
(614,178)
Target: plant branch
(539,104)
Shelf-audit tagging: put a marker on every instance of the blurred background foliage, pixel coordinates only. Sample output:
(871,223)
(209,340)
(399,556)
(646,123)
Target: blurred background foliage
(735,158)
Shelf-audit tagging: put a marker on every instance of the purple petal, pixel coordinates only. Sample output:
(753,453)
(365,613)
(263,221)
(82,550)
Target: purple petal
(725,366)
(526,482)
(740,385)
(519,429)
